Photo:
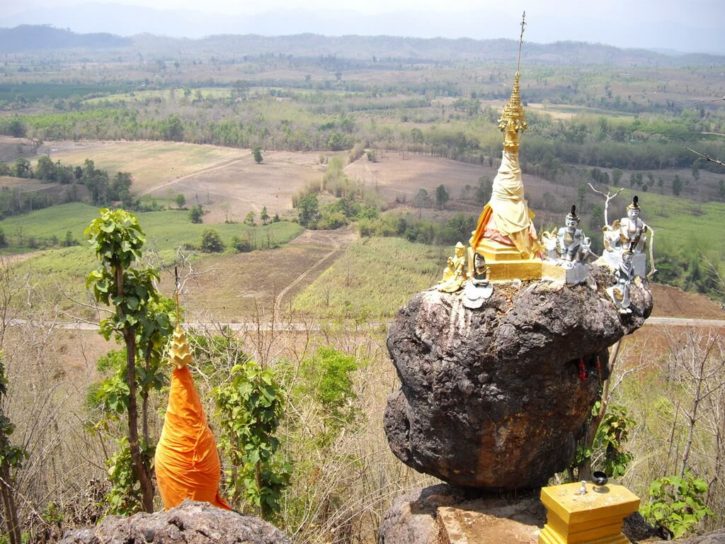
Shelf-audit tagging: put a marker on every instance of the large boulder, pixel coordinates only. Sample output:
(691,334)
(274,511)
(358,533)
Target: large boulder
(189,523)
(495,397)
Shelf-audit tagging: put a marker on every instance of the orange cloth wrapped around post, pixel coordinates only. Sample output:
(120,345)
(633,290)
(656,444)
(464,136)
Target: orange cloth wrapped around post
(186,463)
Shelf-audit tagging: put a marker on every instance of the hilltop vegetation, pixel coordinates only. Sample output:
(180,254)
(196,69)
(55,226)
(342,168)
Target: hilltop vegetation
(392,144)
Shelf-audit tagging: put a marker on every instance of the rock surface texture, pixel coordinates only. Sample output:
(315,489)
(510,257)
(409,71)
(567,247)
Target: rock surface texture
(418,517)
(189,523)
(716,537)
(495,398)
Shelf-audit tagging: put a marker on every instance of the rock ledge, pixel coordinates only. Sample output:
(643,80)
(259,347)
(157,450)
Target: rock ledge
(189,523)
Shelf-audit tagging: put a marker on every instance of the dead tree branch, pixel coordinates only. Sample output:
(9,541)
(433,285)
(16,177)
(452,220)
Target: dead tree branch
(706,157)
(607,197)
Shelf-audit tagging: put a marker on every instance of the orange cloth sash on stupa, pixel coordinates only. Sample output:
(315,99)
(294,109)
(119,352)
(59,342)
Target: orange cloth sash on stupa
(481,227)
(187,463)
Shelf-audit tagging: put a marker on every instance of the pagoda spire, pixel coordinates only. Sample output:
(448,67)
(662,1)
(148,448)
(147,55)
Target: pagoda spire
(513,121)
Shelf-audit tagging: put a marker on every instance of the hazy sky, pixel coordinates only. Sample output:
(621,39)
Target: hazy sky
(694,25)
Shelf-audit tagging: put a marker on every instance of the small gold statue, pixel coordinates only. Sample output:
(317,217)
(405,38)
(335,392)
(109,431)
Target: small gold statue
(455,273)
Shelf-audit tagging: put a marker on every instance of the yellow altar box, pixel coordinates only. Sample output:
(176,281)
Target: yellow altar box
(591,518)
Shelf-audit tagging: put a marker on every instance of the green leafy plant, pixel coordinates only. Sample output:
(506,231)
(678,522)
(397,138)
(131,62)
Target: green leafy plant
(125,496)
(11,458)
(676,503)
(141,320)
(327,378)
(606,451)
(250,408)
(211,242)
(611,437)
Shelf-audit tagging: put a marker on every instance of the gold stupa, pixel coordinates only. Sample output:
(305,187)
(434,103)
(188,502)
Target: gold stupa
(505,235)
(179,352)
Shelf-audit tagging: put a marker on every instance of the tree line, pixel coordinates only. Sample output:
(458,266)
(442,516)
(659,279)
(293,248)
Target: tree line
(98,186)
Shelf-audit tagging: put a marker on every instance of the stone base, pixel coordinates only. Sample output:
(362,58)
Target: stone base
(573,275)
(490,520)
(444,514)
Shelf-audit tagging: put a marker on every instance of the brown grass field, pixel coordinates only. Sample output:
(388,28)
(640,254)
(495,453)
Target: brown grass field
(226,181)
(400,175)
(150,163)
(244,286)
(232,189)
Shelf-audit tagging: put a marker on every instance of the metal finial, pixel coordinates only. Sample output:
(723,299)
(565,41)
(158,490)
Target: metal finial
(521,39)
(176,291)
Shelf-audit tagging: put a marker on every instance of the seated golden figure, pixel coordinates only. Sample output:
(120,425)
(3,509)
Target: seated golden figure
(455,273)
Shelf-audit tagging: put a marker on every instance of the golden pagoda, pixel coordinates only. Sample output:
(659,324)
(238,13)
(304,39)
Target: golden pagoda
(505,235)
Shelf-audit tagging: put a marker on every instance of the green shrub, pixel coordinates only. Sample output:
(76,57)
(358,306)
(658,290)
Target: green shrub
(250,409)
(676,503)
(211,242)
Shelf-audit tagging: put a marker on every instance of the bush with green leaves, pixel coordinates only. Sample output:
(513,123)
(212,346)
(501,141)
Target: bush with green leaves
(324,412)
(125,497)
(604,449)
(257,154)
(196,214)
(211,242)
(612,434)
(326,378)
(242,245)
(677,503)
(250,408)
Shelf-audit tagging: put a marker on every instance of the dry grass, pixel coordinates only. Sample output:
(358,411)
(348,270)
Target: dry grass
(242,286)
(237,187)
(339,493)
(399,176)
(150,163)
(226,181)
(659,388)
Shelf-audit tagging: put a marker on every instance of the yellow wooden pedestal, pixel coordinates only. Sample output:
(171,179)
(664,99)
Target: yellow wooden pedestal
(505,263)
(593,518)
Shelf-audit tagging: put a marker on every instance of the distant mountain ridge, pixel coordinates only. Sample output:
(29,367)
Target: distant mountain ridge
(35,37)
(425,50)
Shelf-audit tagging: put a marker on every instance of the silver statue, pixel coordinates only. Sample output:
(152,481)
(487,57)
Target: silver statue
(571,244)
(624,275)
(628,234)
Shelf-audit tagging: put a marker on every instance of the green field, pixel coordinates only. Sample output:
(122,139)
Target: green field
(374,278)
(58,275)
(204,93)
(165,230)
